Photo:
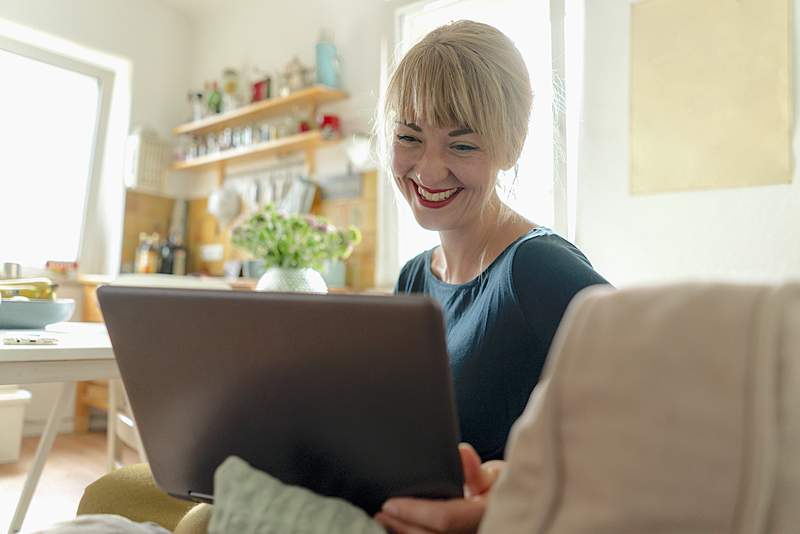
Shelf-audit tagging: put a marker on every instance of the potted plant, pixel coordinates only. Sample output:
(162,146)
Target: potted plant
(293,248)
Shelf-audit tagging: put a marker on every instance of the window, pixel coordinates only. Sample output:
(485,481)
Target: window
(538,190)
(51,136)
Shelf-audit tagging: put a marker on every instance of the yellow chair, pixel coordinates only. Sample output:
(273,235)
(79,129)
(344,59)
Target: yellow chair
(131,492)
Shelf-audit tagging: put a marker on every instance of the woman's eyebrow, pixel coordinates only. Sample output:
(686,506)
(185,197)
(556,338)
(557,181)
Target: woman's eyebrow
(463,131)
(413,126)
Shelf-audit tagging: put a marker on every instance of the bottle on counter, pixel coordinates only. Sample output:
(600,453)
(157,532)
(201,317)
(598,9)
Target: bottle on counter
(167,257)
(140,261)
(178,259)
(172,251)
(173,257)
(148,257)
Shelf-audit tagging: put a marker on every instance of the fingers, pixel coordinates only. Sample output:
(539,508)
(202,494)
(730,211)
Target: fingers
(492,470)
(476,481)
(455,515)
(471,464)
(395,526)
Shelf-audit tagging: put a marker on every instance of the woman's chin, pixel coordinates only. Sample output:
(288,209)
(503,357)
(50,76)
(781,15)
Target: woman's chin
(432,221)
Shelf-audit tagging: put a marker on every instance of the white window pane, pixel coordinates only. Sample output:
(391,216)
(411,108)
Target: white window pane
(47,134)
(528,25)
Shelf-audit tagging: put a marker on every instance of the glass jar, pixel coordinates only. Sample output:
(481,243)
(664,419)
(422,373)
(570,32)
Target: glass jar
(246,138)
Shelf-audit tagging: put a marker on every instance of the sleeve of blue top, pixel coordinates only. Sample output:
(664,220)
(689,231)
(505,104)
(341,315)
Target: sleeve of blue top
(547,273)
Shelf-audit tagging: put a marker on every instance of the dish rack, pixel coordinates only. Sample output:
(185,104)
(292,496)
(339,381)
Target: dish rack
(147,161)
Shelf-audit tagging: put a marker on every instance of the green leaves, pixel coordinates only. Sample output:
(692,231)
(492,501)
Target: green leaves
(294,241)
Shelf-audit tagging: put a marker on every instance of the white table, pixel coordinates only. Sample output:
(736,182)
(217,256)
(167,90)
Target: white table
(83,352)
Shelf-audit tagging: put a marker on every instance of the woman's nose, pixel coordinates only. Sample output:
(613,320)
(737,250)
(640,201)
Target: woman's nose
(431,169)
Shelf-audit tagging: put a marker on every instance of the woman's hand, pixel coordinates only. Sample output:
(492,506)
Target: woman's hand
(455,516)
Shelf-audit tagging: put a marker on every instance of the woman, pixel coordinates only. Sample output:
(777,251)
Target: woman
(455,114)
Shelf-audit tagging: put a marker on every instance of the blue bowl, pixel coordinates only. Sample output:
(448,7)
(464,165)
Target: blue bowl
(34,313)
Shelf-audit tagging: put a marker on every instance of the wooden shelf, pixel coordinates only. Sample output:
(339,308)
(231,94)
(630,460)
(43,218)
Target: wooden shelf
(299,142)
(311,97)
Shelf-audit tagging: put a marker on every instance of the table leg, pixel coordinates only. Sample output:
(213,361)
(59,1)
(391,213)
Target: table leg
(111,425)
(45,443)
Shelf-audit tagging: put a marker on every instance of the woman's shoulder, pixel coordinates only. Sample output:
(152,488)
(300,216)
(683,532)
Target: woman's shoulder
(544,260)
(543,248)
(546,272)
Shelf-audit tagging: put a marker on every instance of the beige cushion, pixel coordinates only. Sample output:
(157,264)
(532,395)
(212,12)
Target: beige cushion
(662,410)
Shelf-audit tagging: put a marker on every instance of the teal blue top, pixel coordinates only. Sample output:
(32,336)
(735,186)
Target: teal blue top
(499,328)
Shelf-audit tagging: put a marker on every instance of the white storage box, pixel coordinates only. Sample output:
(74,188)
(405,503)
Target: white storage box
(12,415)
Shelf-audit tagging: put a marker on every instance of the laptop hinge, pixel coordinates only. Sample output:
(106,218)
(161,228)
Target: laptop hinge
(200,497)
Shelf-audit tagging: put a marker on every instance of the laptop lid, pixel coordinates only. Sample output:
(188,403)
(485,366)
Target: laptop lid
(349,396)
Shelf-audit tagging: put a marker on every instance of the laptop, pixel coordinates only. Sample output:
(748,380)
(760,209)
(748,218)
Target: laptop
(349,396)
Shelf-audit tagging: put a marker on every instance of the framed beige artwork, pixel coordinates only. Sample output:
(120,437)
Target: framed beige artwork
(710,101)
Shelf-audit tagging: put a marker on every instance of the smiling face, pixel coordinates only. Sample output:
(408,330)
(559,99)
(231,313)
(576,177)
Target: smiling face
(445,174)
(455,113)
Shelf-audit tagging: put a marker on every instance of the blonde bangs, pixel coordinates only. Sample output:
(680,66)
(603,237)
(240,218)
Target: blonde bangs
(463,75)
(434,88)
(424,93)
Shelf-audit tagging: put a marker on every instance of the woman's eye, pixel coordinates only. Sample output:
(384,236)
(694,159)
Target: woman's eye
(464,148)
(407,138)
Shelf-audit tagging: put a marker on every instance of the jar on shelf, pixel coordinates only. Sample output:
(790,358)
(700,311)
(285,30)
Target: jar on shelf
(194,148)
(198,104)
(260,87)
(226,139)
(230,81)
(182,148)
(330,126)
(262,132)
(247,136)
(295,76)
(212,147)
(230,89)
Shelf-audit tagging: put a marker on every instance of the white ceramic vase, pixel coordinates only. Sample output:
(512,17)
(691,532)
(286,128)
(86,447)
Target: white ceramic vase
(292,280)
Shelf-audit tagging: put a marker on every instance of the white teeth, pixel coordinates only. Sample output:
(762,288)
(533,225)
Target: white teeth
(436,197)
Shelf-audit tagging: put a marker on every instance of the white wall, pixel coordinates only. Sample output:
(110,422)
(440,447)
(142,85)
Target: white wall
(746,233)
(269,34)
(154,39)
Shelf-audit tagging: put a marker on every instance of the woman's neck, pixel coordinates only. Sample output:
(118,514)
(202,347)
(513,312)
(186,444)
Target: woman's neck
(468,251)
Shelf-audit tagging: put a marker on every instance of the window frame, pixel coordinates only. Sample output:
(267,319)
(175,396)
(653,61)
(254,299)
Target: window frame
(105,80)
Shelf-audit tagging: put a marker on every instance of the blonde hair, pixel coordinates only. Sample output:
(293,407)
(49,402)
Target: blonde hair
(464,74)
